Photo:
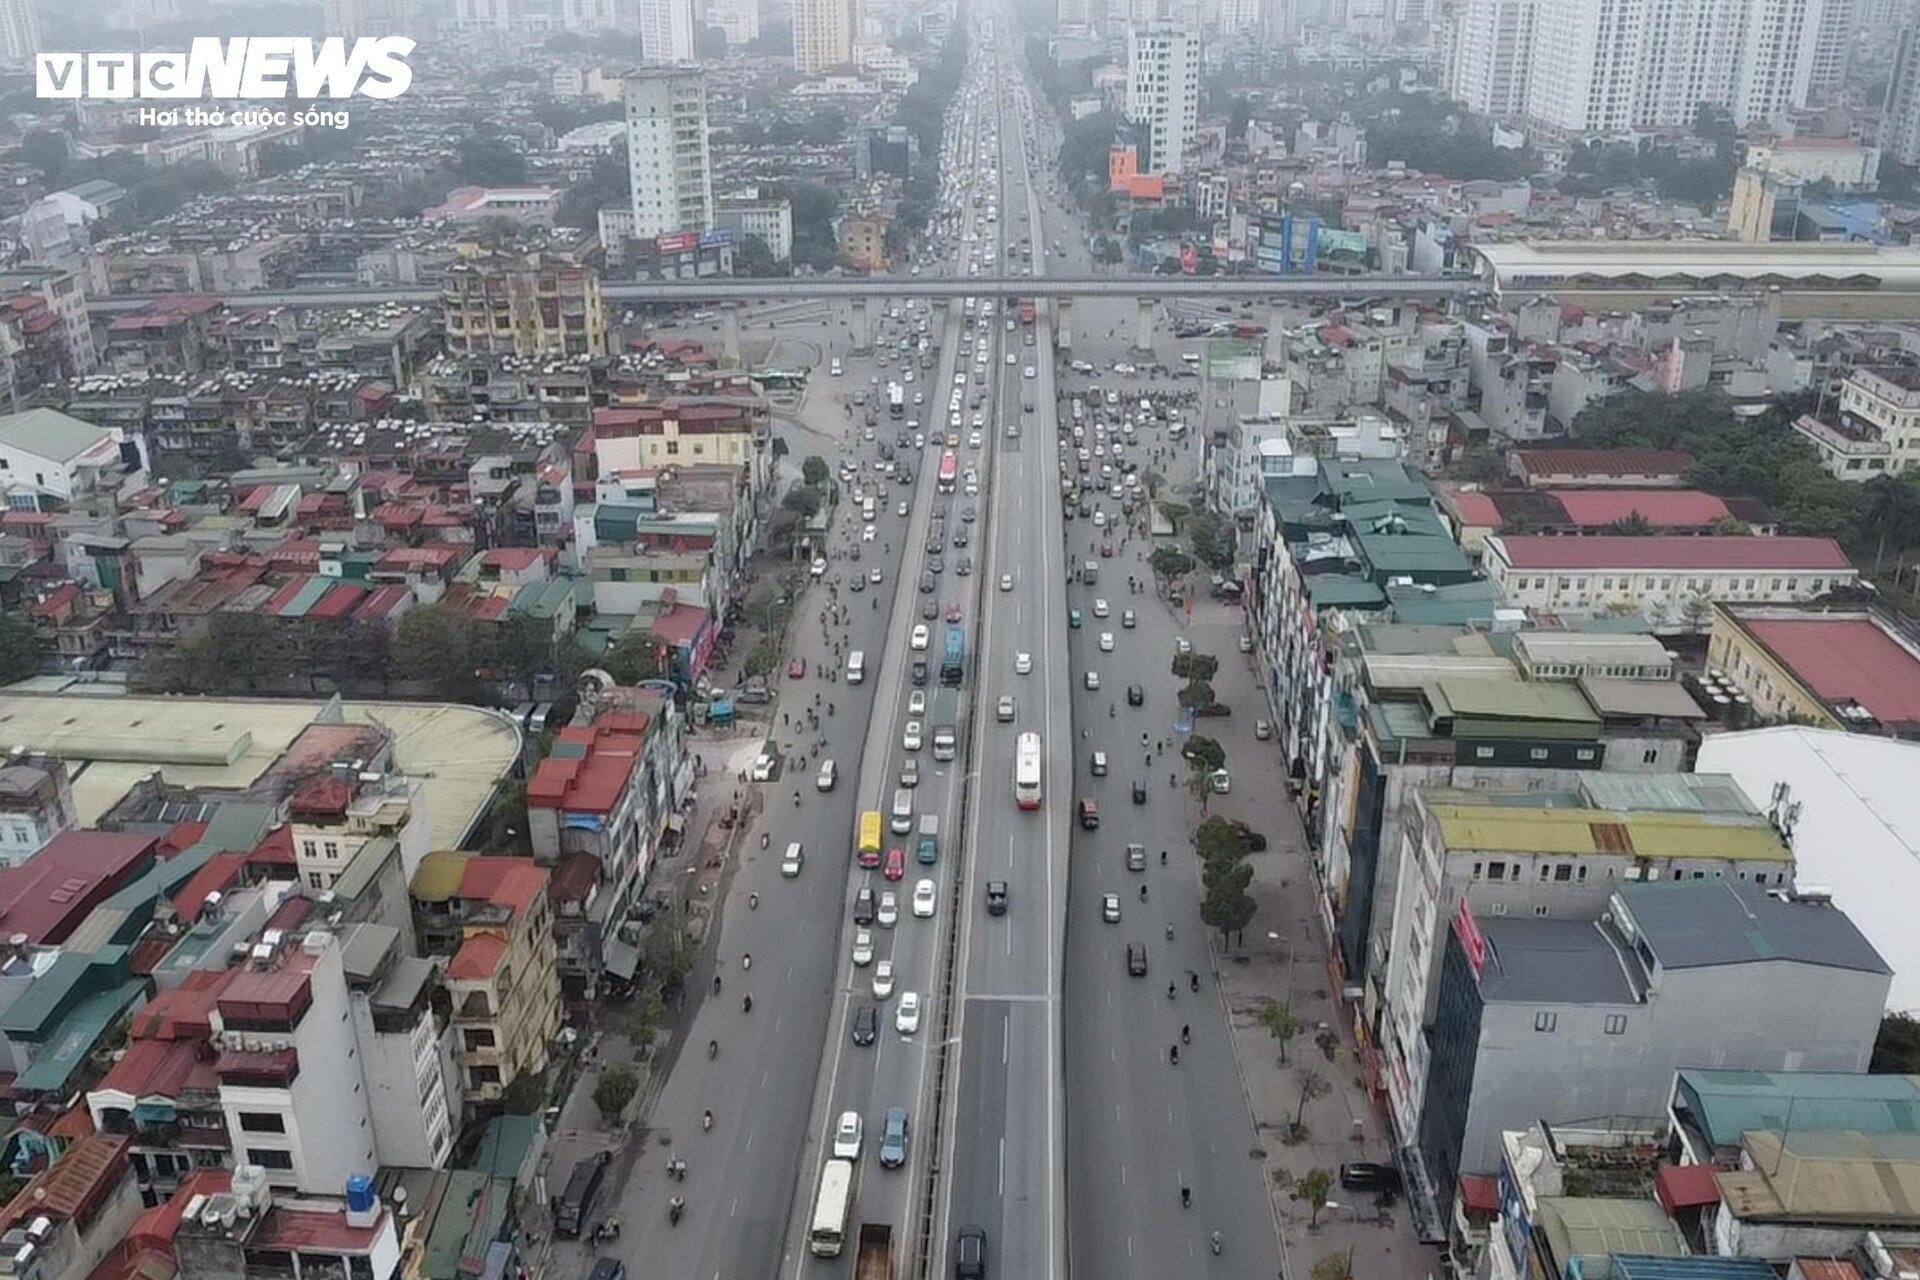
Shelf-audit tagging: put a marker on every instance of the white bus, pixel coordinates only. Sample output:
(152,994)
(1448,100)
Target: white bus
(1026,771)
(830,1210)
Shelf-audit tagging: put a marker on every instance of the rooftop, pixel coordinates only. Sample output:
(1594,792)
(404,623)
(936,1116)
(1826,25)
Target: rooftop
(1858,833)
(1725,1104)
(1682,554)
(51,434)
(1702,923)
(1661,508)
(1582,832)
(1827,1177)
(1605,462)
(1532,961)
(115,742)
(1702,264)
(1846,660)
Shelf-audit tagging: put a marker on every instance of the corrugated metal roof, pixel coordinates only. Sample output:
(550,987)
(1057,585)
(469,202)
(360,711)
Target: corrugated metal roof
(1496,828)
(1726,1104)
(1701,923)
(1640,1266)
(1519,700)
(1594,1227)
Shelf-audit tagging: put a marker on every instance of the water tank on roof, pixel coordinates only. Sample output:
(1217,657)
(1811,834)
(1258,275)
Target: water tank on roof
(360,1196)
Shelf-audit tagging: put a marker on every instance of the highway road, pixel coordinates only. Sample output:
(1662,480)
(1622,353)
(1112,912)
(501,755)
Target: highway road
(1007,1168)
(717,289)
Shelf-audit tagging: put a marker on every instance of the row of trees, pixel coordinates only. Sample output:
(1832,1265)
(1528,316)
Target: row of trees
(436,651)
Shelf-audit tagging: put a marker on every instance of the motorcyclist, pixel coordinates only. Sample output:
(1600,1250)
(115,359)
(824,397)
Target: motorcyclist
(713,1048)
(746,1003)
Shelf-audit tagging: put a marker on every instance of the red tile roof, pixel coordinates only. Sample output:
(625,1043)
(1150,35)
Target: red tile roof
(1673,553)
(221,873)
(1606,462)
(1686,1186)
(158,1224)
(593,780)
(1480,1192)
(185,1012)
(76,1184)
(274,850)
(314,1231)
(162,1069)
(1661,508)
(574,878)
(1476,508)
(47,898)
(514,883)
(478,957)
(1848,658)
(339,602)
(514,557)
(681,625)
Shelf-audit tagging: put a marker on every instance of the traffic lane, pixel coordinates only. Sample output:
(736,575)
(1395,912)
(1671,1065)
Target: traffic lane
(983,1128)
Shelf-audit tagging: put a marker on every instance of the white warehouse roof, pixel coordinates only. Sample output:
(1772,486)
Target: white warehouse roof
(1698,266)
(1858,832)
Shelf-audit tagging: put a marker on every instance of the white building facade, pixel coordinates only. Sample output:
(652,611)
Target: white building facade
(1163,94)
(669,163)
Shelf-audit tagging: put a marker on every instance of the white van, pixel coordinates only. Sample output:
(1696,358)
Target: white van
(868,509)
(901,820)
(790,864)
(856,667)
(829,774)
(834,367)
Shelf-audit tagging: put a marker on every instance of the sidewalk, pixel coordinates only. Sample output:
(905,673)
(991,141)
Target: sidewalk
(1284,958)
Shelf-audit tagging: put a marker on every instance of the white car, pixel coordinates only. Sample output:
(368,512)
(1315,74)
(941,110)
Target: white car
(882,981)
(973,439)
(1022,664)
(863,948)
(790,863)
(1012,358)
(917,703)
(1093,680)
(847,1136)
(1006,582)
(910,739)
(1106,642)
(923,899)
(818,569)
(902,510)
(1099,607)
(1004,711)
(868,533)
(1027,372)
(906,1018)
(763,766)
(887,914)
(1110,908)
(876,578)
(920,636)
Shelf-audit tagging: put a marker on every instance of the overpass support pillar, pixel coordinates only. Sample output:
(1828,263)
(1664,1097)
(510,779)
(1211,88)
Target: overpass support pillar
(730,335)
(862,328)
(1063,323)
(1143,328)
(1274,349)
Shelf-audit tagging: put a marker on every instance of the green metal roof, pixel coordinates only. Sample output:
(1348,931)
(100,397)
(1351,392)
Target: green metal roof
(77,1034)
(1373,480)
(1339,591)
(1445,604)
(1726,1104)
(49,434)
(307,596)
(505,1145)
(1553,702)
(469,1213)
(544,600)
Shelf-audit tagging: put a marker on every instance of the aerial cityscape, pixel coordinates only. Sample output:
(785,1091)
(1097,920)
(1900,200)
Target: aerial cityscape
(560,559)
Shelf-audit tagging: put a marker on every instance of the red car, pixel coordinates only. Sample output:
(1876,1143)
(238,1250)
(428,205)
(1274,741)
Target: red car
(797,669)
(953,612)
(869,860)
(896,864)
(1106,549)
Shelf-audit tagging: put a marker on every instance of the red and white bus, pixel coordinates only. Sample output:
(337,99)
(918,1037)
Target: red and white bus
(949,471)
(1026,771)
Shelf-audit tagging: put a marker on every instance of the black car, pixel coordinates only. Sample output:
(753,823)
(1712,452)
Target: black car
(857,583)
(963,566)
(969,513)
(1365,1175)
(970,1254)
(933,546)
(863,907)
(1136,696)
(919,673)
(1139,790)
(866,1025)
(996,897)
(927,584)
(936,565)
(1137,959)
(929,609)
(961,537)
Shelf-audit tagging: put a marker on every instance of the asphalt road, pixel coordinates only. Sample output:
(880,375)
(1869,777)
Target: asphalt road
(1006,1165)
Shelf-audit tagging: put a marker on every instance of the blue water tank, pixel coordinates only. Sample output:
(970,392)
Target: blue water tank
(359,1193)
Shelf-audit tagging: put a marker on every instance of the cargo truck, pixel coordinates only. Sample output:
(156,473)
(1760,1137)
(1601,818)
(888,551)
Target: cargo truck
(875,1259)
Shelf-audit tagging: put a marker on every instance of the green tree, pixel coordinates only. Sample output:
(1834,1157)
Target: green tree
(815,208)
(46,150)
(508,828)
(1311,1190)
(814,471)
(1631,525)
(1312,1085)
(526,1096)
(1169,562)
(645,1015)
(1195,666)
(1896,1050)
(1282,1023)
(710,45)
(436,647)
(1196,694)
(752,258)
(21,648)
(803,500)
(1204,754)
(616,1088)
(667,954)
(636,656)
(487,160)
(605,184)
(1215,540)
(1219,838)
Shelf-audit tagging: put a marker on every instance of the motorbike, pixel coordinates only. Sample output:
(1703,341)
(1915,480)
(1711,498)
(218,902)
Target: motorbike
(746,1004)
(706,1121)
(1214,1240)
(713,1048)
(675,1207)
(753,902)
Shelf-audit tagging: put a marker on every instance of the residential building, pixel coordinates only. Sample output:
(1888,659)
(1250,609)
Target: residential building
(1580,1197)
(51,332)
(1674,581)
(862,236)
(404,1037)
(355,19)
(523,304)
(1900,134)
(535,206)
(1565,1020)
(243,1228)
(289,1082)
(768,220)
(1709,1111)
(1855,668)
(670,166)
(19,30)
(49,460)
(36,804)
(70,1215)
(1557,851)
(1811,1196)
(681,433)
(490,916)
(824,33)
(1163,95)
(1875,427)
(667,31)
(332,816)
(1492,55)
(739,19)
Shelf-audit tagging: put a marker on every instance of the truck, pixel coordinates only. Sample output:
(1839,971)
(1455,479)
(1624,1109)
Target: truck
(874,1261)
(896,399)
(1026,313)
(946,719)
(953,664)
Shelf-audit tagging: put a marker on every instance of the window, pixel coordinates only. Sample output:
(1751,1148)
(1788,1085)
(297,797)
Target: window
(1616,1024)
(1545,870)
(1537,753)
(1496,871)
(268,1159)
(333,849)
(480,1038)
(1483,753)
(1650,755)
(262,1122)
(484,1075)
(1546,1021)
(1580,874)
(1540,910)
(313,880)
(1478,867)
